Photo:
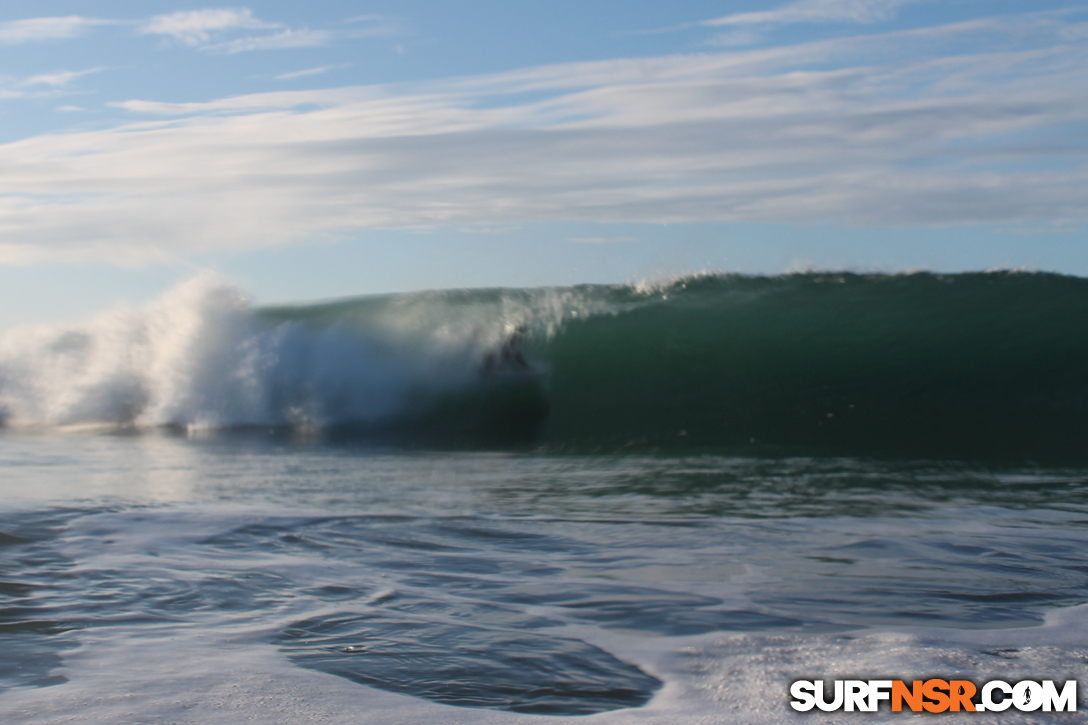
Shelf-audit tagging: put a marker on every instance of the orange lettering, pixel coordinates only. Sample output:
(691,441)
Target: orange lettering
(912,696)
(932,691)
(961,692)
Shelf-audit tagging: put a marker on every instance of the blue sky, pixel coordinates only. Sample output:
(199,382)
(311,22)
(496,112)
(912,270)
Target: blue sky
(315,150)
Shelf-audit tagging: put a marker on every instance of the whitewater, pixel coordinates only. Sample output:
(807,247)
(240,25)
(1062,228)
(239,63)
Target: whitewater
(693,492)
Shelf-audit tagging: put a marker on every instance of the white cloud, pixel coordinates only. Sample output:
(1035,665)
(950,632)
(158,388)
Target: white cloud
(58,79)
(225,30)
(198,27)
(253,103)
(817,11)
(13,32)
(880,130)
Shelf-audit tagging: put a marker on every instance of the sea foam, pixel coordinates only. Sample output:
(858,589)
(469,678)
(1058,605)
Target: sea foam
(202,356)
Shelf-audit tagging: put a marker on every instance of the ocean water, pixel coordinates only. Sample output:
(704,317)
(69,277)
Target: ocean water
(691,494)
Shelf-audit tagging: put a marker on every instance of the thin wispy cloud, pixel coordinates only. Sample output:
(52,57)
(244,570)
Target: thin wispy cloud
(374,26)
(1035,231)
(13,32)
(735,38)
(289,38)
(59,79)
(603,240)
(489,230)
(1078,31)
(254,103)
(308,72)
(747,28)
(42,85)
(879,130)
(817,11)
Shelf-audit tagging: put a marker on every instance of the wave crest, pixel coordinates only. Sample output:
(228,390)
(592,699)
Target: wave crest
(202,356)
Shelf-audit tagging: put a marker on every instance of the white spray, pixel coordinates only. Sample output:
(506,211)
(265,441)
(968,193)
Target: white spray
(201,357)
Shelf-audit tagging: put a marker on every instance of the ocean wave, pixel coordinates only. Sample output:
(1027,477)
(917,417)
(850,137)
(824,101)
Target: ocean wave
(202,357)
(921,363)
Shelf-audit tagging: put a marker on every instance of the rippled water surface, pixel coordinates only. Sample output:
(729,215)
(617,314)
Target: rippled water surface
(517,583)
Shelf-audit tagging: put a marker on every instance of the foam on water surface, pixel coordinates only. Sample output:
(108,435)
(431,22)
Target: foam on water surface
(222,678)
(212,608)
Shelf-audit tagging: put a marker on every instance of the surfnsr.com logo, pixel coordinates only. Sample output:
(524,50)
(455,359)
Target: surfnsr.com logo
(935,695)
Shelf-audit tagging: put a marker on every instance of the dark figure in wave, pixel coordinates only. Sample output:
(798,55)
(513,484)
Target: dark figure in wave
(508,360)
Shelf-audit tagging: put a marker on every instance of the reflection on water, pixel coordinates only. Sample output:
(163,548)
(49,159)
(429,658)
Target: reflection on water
(253,468)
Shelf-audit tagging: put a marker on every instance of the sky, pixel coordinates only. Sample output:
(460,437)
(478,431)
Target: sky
(320,150)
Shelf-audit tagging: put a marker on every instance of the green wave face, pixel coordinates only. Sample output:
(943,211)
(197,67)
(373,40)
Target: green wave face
(973,364)
(979,364)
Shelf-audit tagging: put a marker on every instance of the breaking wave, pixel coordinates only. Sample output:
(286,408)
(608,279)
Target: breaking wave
(202,357)
(967,364)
